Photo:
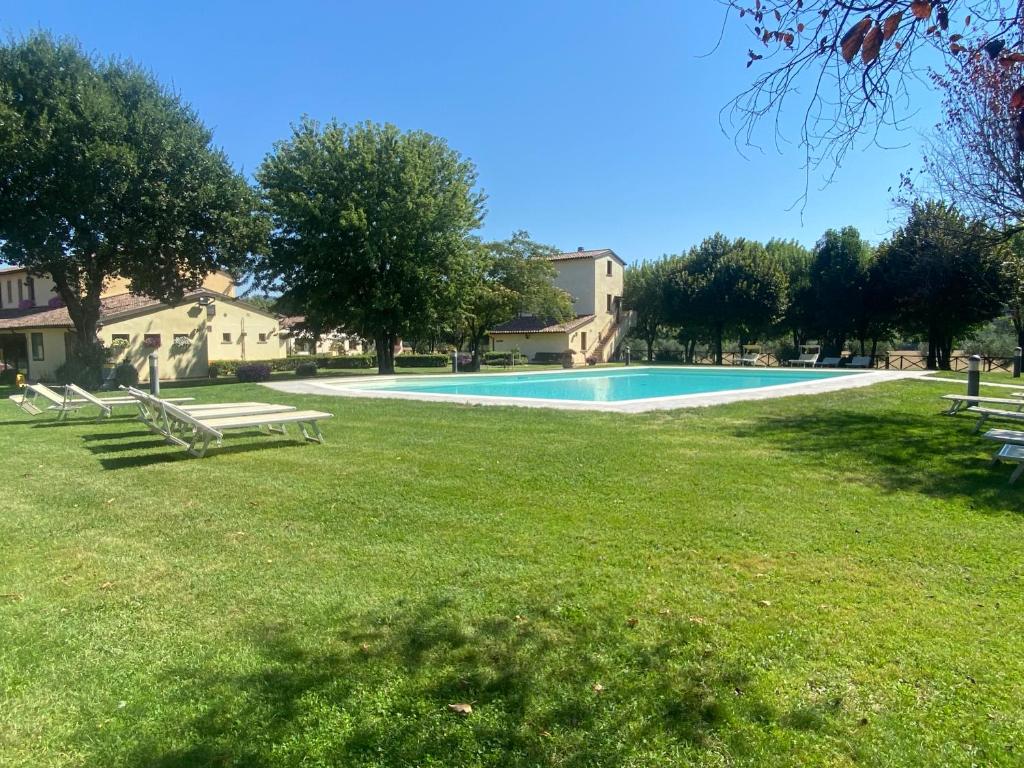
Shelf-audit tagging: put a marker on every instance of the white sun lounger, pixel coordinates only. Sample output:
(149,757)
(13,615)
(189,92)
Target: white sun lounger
(1013,454)
(211,429)
(806,359)
(36,392)
(959,402)
(153,411)
(984,414)
(107,404)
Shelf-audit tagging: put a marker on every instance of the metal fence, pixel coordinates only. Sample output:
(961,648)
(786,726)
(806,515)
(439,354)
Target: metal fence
(892,361)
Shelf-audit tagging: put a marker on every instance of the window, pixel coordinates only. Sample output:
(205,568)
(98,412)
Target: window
(263,338)
(37,346)
(583,341)
(31,285)
(10,296)
(608,302)
(608,268)
(21,295)
(225,338)
(151,340)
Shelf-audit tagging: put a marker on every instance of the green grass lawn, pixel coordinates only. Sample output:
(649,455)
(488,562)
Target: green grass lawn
(826,580)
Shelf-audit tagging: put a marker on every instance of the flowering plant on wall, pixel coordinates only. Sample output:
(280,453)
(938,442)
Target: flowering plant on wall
(119,344)
(152,341)
(181,343)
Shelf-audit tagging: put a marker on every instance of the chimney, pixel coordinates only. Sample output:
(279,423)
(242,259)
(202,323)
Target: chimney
(579,249)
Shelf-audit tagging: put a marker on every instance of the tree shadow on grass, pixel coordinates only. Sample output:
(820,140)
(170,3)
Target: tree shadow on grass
(935,455)
(96,436)
(376,691)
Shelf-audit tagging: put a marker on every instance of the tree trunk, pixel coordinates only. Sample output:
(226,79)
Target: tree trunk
(691,350)
(718,346)
(1020,335)
(385,343)
(650,350)
(933,343)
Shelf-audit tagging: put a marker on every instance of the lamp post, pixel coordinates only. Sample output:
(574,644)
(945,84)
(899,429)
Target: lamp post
(627,354)
(973,375)
(154,374)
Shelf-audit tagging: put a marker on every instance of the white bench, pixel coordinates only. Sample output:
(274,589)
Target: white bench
(210,429)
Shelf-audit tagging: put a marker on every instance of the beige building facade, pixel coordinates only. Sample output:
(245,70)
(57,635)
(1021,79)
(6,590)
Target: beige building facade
(594,281)
(207,324)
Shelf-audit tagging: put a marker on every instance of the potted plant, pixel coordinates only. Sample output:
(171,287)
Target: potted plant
(181,343)
(568,359)
(117,347)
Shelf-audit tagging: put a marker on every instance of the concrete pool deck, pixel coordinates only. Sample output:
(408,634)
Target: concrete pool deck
(358,387)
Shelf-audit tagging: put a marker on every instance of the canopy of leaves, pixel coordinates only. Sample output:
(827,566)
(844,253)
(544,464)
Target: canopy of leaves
(372,227)
(727,287)
(837,284)
(517,278)
(105,173)
(944,275)
(644,287)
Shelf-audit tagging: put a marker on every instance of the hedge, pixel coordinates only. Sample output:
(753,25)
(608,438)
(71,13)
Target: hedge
(438,360)
(229,367)
(548,358)
(505,358)
(253,372)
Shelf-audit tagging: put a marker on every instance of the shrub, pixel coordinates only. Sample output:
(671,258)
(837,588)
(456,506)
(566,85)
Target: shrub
(504,358)
(229,367)
(253,372)
(548,358)
(591,360)
(83,367)
(669,351)
(306,368)
(9,377)
(422,361)
(126,375)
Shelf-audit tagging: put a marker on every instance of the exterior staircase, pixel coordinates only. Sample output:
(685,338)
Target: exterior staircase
(611,338)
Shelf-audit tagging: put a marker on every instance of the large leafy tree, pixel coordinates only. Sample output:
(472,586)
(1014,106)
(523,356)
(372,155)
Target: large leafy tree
(838,279)
(372,227)
(516,279)
(944,275)
(727,288)
(1011,258)
(105,173)
(644,287)
(795,259)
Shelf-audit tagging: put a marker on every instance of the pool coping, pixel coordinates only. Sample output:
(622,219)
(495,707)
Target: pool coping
(839,380)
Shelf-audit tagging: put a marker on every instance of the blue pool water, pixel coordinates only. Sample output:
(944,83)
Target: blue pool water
(604,385)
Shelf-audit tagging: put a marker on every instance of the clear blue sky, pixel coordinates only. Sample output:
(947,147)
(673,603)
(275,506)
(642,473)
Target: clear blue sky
(591,123)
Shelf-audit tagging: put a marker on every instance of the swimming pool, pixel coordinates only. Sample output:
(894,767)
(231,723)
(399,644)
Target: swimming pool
(636,388)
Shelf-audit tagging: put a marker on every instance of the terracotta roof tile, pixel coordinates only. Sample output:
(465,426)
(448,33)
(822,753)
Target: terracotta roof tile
(58,317)
(531,324)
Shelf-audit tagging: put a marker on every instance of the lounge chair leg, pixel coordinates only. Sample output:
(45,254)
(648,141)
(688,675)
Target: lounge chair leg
(981,422)
(1016,473)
